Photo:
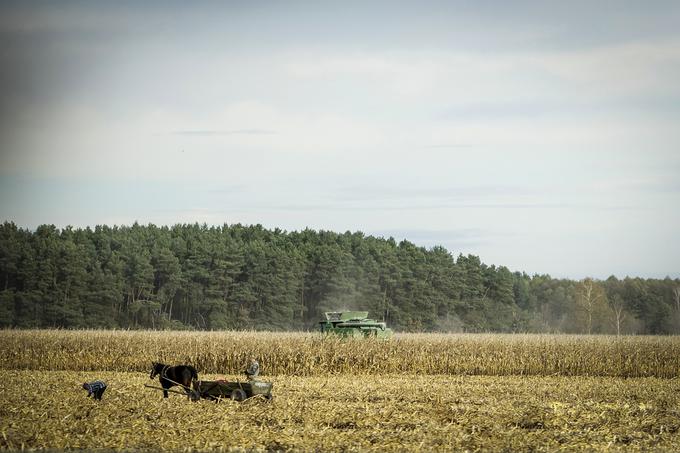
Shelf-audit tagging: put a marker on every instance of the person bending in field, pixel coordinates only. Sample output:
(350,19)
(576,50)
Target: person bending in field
(95,389)
(253,370)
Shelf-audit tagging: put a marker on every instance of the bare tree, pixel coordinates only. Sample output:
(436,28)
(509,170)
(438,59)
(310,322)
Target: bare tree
(589,301)
(676,297)
(616,305)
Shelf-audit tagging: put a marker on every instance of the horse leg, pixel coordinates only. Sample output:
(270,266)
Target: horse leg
(186,383)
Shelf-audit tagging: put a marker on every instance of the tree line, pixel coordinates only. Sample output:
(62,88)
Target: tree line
(248,277)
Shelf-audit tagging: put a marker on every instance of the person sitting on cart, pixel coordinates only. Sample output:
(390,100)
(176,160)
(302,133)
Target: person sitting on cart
(253,370)
(95,389)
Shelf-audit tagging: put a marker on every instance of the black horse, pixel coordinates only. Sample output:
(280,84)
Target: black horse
(174,375)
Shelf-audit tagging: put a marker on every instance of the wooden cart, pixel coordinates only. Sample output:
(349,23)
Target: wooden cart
(237,391)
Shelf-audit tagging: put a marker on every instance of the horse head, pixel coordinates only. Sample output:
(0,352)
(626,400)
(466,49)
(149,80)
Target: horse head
(156,369)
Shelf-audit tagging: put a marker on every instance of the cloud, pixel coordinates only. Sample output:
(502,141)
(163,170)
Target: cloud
(461,145)
(522,82)
(622,69)
(209,133)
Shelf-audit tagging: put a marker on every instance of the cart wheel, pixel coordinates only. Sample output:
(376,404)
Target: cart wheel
(238,395)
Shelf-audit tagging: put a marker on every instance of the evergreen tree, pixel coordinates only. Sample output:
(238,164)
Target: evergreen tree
(242,277)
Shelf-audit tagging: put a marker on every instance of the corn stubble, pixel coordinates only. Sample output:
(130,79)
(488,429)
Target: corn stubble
(418,393)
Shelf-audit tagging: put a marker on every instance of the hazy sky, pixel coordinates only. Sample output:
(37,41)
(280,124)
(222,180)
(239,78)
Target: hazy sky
(543,136)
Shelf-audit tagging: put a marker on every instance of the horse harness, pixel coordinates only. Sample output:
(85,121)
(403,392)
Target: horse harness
(164,373)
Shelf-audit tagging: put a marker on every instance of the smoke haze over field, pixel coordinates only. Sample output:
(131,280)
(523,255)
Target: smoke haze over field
(542,136)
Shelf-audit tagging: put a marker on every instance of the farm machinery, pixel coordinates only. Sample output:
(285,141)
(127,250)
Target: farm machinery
(354,324)
(235,390)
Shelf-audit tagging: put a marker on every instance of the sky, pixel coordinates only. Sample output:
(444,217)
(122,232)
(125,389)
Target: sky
(542,136)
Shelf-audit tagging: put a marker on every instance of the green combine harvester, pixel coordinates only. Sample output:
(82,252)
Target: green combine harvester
(354,324)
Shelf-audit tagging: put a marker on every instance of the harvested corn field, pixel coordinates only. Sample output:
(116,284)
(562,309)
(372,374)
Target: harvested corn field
(343,413)
(415,393)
